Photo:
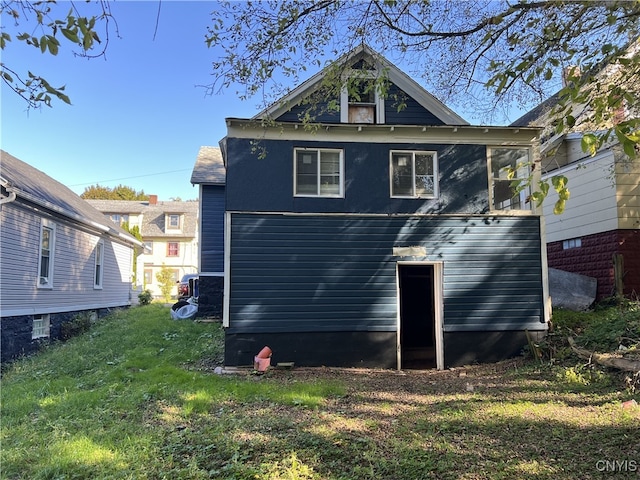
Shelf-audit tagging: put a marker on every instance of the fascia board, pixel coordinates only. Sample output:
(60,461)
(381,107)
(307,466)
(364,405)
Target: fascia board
(371,133)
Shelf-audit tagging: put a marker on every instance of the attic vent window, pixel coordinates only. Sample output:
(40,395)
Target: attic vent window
(361,101)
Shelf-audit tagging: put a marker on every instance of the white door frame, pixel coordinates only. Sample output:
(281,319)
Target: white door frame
(438,307)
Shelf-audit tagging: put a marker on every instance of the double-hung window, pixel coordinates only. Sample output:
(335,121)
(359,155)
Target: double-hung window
(318,173)
(509,166)
(99,262)
(414,174)
(173,249)
(47,250)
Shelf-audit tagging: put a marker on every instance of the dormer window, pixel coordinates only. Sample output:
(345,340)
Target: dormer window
(173,222)
(118,218)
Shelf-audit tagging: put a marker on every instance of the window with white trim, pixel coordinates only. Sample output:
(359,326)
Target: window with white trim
(148,248)
(414,174)
(46,257)
(361,100)
(318,173)
(99,264)
(41,326)
(507,166)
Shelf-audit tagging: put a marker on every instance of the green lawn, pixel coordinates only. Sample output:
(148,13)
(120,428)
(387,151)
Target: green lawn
(136,398)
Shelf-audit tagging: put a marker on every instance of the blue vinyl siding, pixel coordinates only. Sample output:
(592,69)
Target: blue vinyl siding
(212,234)
(410,113)
(255,184)
(298,111)
(338,273)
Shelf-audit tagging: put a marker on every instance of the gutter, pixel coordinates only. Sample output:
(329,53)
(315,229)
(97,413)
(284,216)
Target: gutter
(80,219)
(10,198)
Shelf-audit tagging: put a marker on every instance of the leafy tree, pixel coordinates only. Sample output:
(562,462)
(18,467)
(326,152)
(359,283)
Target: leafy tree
(477,55)
(121,192)
(42,25)
(166,281)
(135,231)
(481,56)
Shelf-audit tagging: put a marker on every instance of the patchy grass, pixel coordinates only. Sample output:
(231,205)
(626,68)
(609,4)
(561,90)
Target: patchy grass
(136,398)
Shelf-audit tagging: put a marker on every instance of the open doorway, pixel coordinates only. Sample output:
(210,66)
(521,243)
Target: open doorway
(417,316)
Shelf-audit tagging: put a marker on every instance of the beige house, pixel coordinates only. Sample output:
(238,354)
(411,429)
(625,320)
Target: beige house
(169,233)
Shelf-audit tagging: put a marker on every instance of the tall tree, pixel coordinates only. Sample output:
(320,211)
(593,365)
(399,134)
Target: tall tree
(478,55)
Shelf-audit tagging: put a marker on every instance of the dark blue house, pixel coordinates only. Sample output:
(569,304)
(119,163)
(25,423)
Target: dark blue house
(209,173)
(380,237)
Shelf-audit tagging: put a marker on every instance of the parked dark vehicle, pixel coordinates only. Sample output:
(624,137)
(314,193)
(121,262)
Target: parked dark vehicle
(187,287)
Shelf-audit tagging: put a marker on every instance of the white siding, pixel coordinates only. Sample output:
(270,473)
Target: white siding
(185,262)
(74,264)
(592,207)
(628,183)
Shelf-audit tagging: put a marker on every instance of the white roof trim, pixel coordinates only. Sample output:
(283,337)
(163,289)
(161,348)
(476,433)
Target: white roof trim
(396,76)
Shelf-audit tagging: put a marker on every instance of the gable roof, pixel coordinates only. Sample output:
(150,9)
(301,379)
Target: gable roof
(209,168)
(153,215)
(395,75)
(34,186)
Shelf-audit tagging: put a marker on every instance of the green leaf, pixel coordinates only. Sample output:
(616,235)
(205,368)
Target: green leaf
(71,35)
(589,143)
(63,97)
(87,42)
(7,77)
(53,44)
(559,207)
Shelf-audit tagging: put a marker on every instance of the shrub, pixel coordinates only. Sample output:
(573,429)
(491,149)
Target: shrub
(79,324)
(145,297)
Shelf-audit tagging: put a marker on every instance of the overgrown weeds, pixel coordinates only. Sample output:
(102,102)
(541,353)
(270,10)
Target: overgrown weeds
(135,397)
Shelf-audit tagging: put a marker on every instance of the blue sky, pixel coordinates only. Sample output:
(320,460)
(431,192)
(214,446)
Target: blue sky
(137,118)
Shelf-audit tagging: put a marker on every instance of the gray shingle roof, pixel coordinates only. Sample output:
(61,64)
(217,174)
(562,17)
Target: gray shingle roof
(209,168)
(36,186)
(153,215)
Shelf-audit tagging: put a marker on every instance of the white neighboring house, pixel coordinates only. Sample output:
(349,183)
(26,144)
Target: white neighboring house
(59,257)
(169,232)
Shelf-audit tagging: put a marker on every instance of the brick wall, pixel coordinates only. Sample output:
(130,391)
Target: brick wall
(594,258)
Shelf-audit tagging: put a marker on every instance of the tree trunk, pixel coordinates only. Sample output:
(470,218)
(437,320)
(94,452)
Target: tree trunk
(606,360)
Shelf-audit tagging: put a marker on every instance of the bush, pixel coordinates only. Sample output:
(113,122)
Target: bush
(145,297)
(79,324)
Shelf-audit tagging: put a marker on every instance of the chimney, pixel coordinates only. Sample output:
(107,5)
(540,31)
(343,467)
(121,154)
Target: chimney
(153,199)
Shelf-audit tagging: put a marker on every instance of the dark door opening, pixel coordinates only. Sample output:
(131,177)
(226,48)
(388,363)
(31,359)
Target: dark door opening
(417,316)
